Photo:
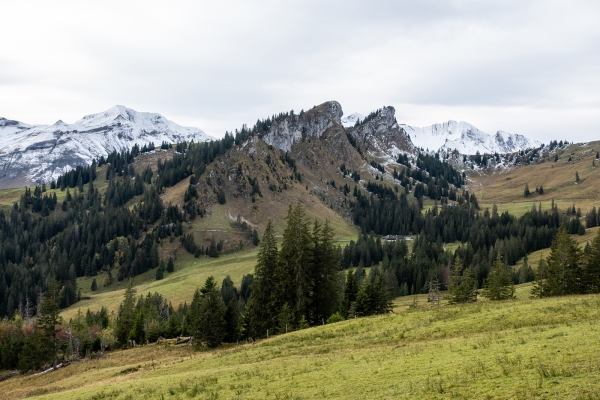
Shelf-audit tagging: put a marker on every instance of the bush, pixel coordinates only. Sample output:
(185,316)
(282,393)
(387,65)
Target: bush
(337,317)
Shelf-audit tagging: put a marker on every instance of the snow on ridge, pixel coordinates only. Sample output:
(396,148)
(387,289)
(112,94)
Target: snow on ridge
(43,152)
(350,120)
(466,138)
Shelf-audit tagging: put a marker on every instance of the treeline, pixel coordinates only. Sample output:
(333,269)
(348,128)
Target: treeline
(90,234)
(567,269)
(485,236)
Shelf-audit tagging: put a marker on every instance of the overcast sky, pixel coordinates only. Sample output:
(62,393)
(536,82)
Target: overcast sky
(528,67)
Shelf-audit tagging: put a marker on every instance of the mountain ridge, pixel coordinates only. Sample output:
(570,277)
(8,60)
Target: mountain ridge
(32,154)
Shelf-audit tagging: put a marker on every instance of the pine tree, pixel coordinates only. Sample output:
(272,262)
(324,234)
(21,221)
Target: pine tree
(294,272)
(325,273)
(126,316)
(526,192)
(160,273)
(461,286)
(210,322)
(170,265)
(576,176)
(262,305)
(94,285)
(526,273)
(285,320)
(350,292)
(564,270)
(49,318)
(591,267)
(498,285)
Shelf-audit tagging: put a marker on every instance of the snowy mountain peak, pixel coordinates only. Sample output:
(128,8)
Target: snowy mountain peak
(466,139)
(350,120)
(32,154)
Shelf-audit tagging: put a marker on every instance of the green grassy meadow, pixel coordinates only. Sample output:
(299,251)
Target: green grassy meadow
(516,349)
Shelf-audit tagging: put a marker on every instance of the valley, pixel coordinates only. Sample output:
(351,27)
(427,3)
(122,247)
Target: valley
(212,209)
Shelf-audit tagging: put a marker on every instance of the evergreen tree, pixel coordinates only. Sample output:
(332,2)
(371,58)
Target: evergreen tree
(591,267)
(526,273)
(325,275)
(160,273)
(262,305)
(285,320)
(294,266)
(350,292)
(94,285)
(49,317)
(126,316)
(498,285)
(563,267)
(461,286)
(576,176)
(170,265)
(210,321)
(526,192)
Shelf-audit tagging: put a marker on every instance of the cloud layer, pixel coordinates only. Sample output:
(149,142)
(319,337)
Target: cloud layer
(528,67)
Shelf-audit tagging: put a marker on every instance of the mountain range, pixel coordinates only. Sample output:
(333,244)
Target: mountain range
(460,136)
(31,154)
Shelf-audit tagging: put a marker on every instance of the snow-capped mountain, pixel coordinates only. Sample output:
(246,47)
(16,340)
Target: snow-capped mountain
(31,154)
(350,120)
(466,138)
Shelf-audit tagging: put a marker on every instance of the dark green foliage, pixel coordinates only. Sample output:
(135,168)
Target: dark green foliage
(498,285)
(170,265)
(561,273)
(49,317)
(210,324)
(461,286)
(373,297)
(94,285)
(221,196)
(526,273)
(160,273)
(261,307)
(37,351)
(126,317)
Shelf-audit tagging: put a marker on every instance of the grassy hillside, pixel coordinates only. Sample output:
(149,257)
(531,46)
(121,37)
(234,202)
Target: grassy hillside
(557,178)
(515,349)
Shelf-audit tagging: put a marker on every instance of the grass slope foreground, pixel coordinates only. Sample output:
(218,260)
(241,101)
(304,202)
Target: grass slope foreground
(517,349)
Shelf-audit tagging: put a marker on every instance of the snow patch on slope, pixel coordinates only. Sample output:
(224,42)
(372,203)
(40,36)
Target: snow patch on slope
(350,120)
(466,138)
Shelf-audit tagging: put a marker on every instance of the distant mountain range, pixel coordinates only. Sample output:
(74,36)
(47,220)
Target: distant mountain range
(31,154)
(460,136)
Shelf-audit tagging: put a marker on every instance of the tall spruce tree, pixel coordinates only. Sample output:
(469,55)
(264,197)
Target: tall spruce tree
(461,286)
(126,316)
(294,267)
(210,321)
(262,306)
(49,318)
(326,276)
(591,267)
(564,270)
(499,285)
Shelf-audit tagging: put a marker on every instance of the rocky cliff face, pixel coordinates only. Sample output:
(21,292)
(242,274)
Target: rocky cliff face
(381,136)
(311,124)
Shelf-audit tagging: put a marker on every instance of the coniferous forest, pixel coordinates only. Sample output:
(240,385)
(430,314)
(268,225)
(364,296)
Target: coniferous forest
(307,280)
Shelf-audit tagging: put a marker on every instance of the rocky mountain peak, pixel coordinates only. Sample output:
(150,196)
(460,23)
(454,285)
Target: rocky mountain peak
(312,123)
